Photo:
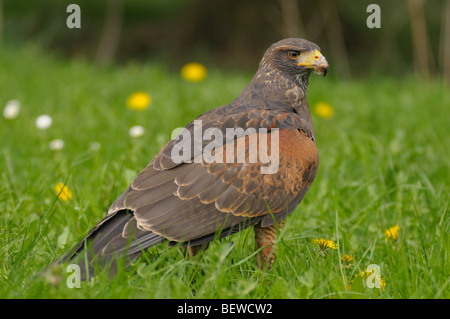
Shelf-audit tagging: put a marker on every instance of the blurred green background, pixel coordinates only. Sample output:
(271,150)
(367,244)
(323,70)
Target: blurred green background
(414,36)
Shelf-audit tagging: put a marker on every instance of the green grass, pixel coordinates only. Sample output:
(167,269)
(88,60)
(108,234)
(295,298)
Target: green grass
(384,160)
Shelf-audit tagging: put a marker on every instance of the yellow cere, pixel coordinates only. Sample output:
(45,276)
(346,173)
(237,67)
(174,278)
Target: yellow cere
(310,58)
(139,101)
(193,72)
(317,55)
(63,192)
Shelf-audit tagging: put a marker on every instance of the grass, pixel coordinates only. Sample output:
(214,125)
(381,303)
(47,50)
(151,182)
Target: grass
(384,161)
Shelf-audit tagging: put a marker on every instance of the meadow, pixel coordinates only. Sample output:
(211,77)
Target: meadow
(384,148)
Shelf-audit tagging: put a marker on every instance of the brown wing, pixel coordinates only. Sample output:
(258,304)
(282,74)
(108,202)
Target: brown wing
(192,200)
(234,117)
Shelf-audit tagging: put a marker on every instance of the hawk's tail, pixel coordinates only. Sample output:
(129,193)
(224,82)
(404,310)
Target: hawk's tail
(113,237)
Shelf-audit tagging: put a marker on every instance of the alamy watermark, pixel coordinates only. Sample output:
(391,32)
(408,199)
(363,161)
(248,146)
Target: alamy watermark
(188,148)
(374,19)
(74,279)
(74,19)
(374,279)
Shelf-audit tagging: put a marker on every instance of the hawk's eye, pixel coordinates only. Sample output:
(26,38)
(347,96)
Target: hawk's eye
(294,54)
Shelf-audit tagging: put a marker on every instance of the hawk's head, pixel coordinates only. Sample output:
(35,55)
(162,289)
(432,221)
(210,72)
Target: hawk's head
(296,58)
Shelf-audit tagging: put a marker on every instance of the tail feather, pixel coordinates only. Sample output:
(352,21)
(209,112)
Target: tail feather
(115,236)
(118,236)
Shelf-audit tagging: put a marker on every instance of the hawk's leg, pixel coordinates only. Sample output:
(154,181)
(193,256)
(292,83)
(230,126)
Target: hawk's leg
(192,251)
(266,238)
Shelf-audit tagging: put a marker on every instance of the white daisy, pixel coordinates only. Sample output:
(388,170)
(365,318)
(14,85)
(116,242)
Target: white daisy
(136,131)
(56,145)
(95,146)
(43,122)
(11,109)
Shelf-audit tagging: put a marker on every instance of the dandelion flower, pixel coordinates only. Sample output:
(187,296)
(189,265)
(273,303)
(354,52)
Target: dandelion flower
(392,233)
(364,275)
(347,259)
(325,243)
(63,192)
(11,109)
(193,72)
(382,283)
(43,122)
(136,131)
(139,101)
(323,110)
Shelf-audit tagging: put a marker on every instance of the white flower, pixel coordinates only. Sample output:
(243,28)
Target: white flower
(11,109)
(44,122)
(95,146)
(136,131)
(56,145)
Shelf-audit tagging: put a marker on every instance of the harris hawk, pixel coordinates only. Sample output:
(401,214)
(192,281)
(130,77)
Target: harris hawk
(196,200)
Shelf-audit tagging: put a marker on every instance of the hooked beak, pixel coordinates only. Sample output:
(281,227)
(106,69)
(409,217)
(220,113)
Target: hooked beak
(315,60)
(321,65)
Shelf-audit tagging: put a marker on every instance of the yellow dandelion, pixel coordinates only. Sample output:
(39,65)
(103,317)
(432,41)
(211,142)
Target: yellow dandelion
(323,110)
(325,243)
(364,275)
(63,192)
(347,259)
(392,233)
(139,101)
(193,72)
(382,283)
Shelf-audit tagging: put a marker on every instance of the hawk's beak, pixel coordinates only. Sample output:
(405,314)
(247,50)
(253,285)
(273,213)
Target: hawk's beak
(315,60)
(321,65)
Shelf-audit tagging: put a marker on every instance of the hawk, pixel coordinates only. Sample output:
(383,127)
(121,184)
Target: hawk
(193,201)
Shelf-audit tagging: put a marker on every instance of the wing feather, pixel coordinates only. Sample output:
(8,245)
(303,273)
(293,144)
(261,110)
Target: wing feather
(194,200)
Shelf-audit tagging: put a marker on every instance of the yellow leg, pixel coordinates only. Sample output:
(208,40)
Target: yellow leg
(194,250)
(266,239)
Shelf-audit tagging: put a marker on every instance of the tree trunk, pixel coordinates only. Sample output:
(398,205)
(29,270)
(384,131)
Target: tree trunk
(1,21)
(292,22)
(109,40)
(445,42)
(419,38)
(335,35)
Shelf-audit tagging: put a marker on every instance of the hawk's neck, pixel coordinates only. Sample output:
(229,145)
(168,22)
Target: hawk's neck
(271,89)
